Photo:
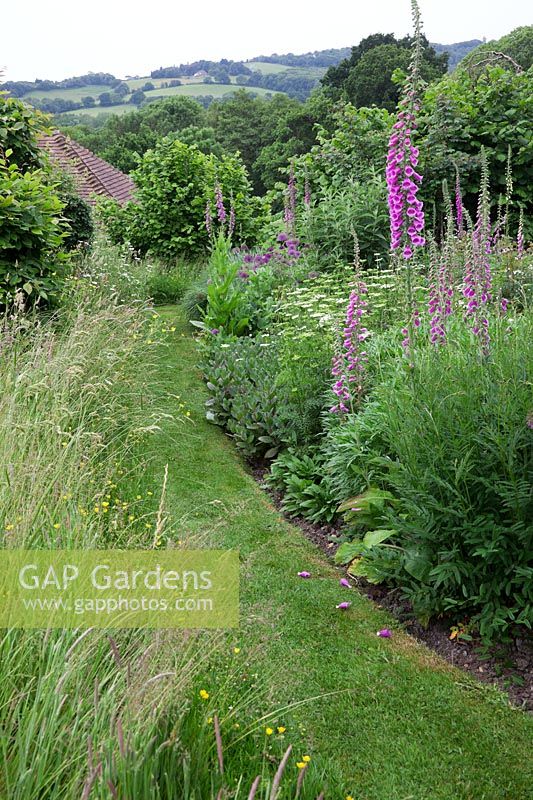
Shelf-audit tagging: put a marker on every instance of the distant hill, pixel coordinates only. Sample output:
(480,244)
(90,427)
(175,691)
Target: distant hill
(457,51)
(293,74)
(318,58)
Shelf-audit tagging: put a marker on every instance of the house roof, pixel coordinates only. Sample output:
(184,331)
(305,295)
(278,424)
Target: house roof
(93,176)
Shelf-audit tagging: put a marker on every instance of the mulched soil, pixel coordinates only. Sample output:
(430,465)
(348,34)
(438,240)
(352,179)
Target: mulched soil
(510,667)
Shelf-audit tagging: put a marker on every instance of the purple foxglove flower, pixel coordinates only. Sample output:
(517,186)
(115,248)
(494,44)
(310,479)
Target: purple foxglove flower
(221,211)
(385,633)
(208,218)
(304,574)
(343,606)
(345,583)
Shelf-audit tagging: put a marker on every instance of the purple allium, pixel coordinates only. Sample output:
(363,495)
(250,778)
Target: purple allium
(349,364)
(344,606)
(221,211)
(385,633)
(304,574)
(282,237)
(345,583)
(214,331)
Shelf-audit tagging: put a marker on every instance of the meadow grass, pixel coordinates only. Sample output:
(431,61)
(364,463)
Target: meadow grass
(101,713)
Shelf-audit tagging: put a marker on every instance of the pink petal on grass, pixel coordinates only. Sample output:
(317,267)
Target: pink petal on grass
(344,605)
(385,633)
(345,583)
(304,574)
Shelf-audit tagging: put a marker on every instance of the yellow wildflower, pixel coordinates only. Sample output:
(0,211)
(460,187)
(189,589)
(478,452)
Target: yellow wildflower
(269,731)
(281,729)
(203,694)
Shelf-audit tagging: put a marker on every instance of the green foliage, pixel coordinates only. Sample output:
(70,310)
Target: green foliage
(31,235)
(175,181)
(451,443)
(331,222)
(518,45)
(244,398)
(461,114)
(123,139)
(32,231)
(366,77)
(299,477)
(20,126)
(167,287)
(76,211)
(223,313)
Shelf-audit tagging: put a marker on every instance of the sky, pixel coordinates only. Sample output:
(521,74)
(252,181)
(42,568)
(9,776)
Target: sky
(64,38)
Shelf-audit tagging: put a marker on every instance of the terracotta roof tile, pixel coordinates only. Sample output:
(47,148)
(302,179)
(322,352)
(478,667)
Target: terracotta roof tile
(93,176)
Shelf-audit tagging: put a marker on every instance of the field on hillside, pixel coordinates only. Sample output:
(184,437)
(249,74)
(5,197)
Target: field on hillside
(274,69)
(188,90)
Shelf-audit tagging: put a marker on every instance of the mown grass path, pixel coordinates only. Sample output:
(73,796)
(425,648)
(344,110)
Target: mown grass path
(405,724)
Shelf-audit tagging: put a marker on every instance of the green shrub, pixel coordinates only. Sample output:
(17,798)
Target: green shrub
(330,224)
(175,182)
(32,234)
(77,212)
(32,230)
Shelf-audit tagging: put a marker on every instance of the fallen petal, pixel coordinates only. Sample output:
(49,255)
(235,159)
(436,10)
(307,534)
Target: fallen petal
(344,605)
(304,574)
(385,633)
(344,582)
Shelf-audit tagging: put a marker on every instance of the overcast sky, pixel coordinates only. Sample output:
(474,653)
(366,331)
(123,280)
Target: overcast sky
(65,38)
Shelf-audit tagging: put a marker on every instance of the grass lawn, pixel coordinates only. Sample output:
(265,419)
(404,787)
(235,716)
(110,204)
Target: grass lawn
(385,719)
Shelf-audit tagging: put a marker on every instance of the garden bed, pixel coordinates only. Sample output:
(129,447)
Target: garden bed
(508,666)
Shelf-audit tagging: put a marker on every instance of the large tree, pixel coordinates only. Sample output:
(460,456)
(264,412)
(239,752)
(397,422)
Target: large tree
(366,78)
